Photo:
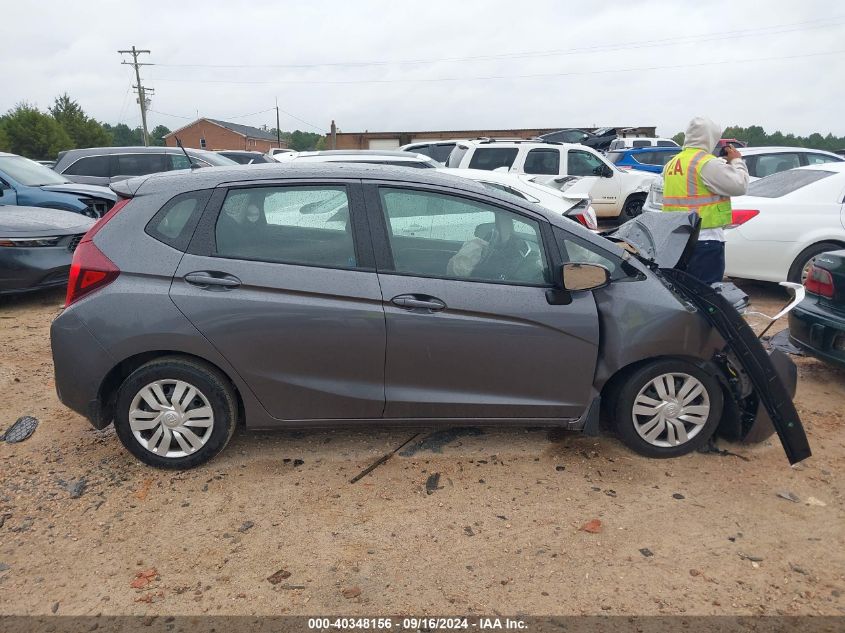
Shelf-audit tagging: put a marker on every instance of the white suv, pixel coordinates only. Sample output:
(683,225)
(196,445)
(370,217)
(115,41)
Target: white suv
(615,193)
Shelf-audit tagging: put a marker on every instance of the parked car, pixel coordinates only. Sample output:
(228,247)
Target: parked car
(633,142)
(244,157)
(650,159)
(567,135)
(574,204)
(36,246)
(817,324)
(615,193)
(47,163)
(436,150)
(372,156)
(102,165)
(719,150)
(765,161)
(201,301)
(26,183)
(278,150)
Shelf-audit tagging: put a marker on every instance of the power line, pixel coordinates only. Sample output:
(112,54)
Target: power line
(493,77)
(690,39)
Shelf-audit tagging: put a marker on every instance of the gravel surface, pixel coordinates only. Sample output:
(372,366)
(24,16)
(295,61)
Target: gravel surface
(519,521)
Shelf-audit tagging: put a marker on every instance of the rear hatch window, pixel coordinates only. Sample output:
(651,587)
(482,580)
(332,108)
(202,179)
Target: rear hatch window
(491,158)
(785,182)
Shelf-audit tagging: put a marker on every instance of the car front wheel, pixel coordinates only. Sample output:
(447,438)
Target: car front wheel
(668,408)
(175,413)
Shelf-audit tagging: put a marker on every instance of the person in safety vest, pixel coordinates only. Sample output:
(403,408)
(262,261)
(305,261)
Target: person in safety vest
(695,180)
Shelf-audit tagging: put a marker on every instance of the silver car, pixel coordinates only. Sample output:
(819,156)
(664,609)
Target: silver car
(280,296)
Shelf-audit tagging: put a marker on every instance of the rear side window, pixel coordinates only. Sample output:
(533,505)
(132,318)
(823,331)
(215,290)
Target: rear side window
(174,224)
(292,225)
(90,166)
(543,161)
(641,144)
(491,158)
(768,164)
(785,182)
(140,164)
(440,153)
(615,157)
(819,159)
(666,144)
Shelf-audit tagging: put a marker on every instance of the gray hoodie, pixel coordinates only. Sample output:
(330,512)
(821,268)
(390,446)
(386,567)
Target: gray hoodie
(721,177)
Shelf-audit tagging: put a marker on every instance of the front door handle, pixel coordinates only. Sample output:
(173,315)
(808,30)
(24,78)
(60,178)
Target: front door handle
(414,302)
(212,280)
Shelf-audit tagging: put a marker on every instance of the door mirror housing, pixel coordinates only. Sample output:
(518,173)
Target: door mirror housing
(581,276)
(606,172)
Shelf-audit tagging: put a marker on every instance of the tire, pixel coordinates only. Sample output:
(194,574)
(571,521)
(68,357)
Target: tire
(161,387)
(796,271)
(633,206)
(639,390)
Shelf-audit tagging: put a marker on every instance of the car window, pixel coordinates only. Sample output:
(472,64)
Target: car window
(98,166)
(617,145)
(175,222)
(542,161)
(655,158)
(179,161)
(456,156)
(666,144)
(140,164)
(785,182)
(583,164)
(819,159)
(440,153)
(615,157)
(768,164)
(296,225)
(433,234)
(575,250)
(491,158)
(641,144)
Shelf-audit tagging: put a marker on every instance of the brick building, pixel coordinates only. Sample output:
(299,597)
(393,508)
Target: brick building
(212,134)
(392,140)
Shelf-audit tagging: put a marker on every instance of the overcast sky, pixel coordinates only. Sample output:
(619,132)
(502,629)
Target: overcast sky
(781,62)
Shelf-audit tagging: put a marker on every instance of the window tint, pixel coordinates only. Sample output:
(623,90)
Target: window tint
(818,159)
(140,164)
(785,182)
(178,161)
(768,164)
(583,164)
(296,225)
(433,234)
(666,144)
(90,166)
(440,153)
(641,144)
(175,222)
(543,161)
(457,155)
(575,250)
(491,158)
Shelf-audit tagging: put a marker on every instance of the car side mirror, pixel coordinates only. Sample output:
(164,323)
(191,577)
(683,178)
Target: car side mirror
(578,276)
(606,172)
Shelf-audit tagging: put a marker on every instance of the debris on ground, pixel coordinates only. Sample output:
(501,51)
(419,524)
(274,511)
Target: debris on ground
(812,501)
(4,567)
(380,460)
(77,488)
(469,531)
(278,577)
(245,526)
(351,592)
(432,483)
(437,440)
(753,559)
(560,468)
(781,341)
(694,572)
(789,496)
(678,496)
(20,430)
(144,490)
(592,527)
(798,569)
(646,552)
(144,578)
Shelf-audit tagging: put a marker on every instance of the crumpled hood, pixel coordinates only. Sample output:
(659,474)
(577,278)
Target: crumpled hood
(667,239)
(702,133)
(18,221)
(91,191)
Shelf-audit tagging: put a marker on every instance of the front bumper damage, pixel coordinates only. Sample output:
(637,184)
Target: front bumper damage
(772,377)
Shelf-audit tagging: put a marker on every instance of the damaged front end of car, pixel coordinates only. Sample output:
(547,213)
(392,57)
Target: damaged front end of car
(758,384)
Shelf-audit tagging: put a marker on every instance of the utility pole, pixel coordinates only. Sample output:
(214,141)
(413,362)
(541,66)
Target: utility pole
(139,88)
(333,135)
(278,131)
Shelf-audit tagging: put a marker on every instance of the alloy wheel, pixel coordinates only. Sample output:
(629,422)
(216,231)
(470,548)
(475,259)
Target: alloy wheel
(171,418)
(671,409)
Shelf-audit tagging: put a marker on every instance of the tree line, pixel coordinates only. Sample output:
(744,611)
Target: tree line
(756,136)
(40,135)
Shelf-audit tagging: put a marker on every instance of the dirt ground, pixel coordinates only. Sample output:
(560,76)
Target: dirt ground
(87,530)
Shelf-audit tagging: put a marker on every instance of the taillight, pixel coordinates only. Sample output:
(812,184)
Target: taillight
(584,213)
(741,216)
(819,281)
(90,269)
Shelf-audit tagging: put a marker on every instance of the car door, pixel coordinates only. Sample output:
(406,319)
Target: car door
(471,333)
(280,279)
(607,190)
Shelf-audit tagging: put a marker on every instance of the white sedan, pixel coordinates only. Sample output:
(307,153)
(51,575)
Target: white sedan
(785,221)
(574,202)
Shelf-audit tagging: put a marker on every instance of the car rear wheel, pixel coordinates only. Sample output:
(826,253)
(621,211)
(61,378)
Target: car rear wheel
(798,270)
(175,413)
(668,408)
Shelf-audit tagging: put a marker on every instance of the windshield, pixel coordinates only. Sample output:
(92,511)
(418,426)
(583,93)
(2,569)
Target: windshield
(212,159)
(28,172)
(785,182)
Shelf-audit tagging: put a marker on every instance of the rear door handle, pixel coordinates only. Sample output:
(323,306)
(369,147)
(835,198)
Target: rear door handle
(424,302)
(212,280)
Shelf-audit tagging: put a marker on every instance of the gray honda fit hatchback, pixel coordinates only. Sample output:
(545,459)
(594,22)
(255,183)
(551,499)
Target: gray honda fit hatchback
(282,296)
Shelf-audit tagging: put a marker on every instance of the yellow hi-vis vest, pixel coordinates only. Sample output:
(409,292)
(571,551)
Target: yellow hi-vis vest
(684,190)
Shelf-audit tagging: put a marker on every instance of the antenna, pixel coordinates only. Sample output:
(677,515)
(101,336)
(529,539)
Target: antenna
(190,160)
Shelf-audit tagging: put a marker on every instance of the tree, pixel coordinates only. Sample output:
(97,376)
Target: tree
(157,135)
(679,138)
(123,136)
(84,131)
(34,134)
(4,140)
